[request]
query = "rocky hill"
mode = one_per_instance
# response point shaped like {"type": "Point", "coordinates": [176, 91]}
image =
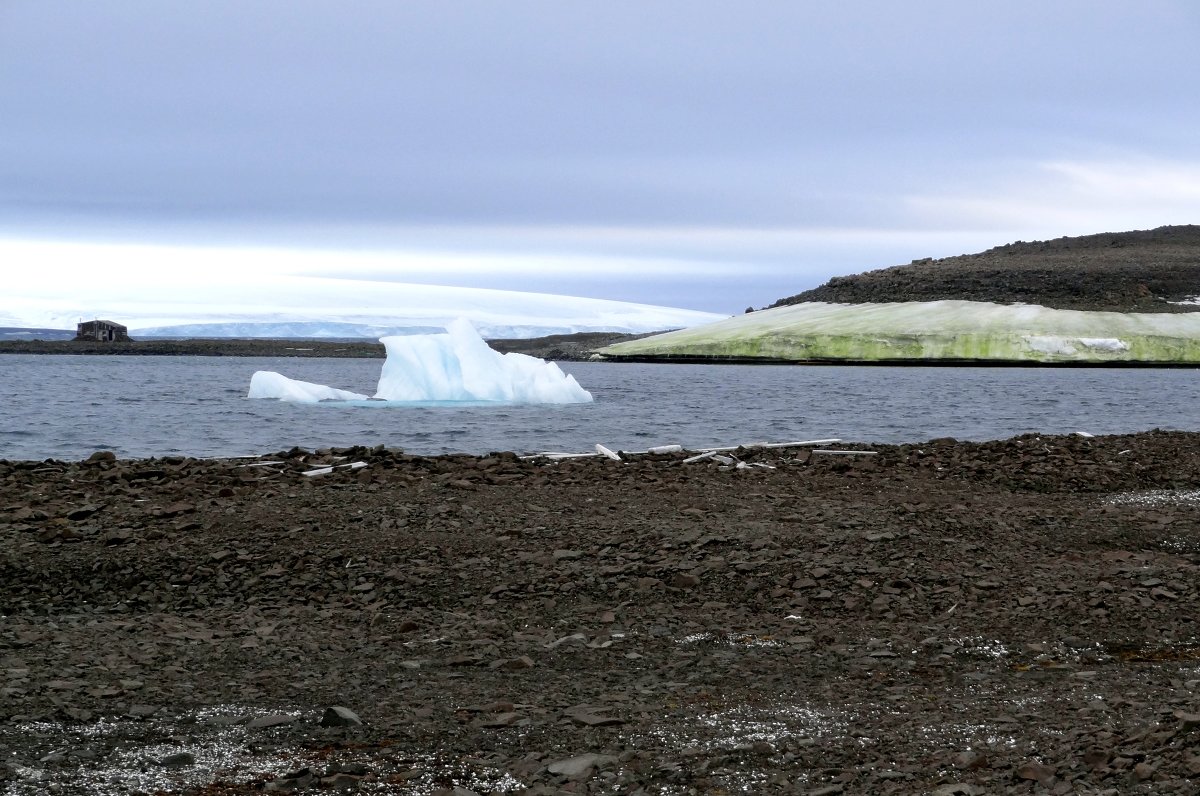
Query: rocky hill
{"type": "Point", "coordinates": [1141, 271]}
{"type": "Point", "coordinates": [1125, 298]}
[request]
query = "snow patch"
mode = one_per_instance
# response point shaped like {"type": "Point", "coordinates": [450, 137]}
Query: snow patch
{"type": "Point", "coordinates": [1069, 346]}
{"type": "Point", "coordinates": [1104, 344]}
{"type": "Point", "coordinates": [1042, 344]}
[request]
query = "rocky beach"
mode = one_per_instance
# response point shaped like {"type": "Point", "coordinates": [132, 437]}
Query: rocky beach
{"type": "Point", "coordinates": [944, 618]}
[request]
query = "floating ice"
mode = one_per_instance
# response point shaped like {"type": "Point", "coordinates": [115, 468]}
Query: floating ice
{"type": "Point", "coordinates": [459, 366]}
{"type": "Point", "coordinates": [268, 384]}
{"type": "Point", "coordinates": [454, 366]}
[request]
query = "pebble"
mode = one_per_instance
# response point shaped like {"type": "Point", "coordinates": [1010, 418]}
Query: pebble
{"type": "Point", "coordinates": [178, 760]}
{"type": "Point", "coordinates": [575, 767]}
{"type": "Point", "coordinates": [270, 720]}
{"type": "Point", "coordinates": [1036, 771]}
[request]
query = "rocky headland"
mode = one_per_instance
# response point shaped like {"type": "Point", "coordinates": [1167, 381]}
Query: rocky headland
{"type": "Point", "coordinates": [1112, 299]}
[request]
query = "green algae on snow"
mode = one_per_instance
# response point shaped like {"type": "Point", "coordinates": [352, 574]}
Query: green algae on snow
{"type": "Point", "coordinates": [930, 331]}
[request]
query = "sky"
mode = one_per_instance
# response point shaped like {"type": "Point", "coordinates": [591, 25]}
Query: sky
{"type": "Point", "coordinates": [706, 155]}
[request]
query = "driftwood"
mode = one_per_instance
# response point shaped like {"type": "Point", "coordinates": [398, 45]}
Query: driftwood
{"type": "Point", "coordinates": [329, 469]}
{"type": "Point", "coordinates": [704, 454]}
{"type": "Point", "coordinates": [603, 451]}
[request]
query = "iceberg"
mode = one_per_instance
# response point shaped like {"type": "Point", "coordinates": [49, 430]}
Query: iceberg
{"type": "Point", "coordinates": [460, 366]}
{"type": "Point", "coordinates": [454, 366]}
{"type": "Point", "coordinates": [268, 384]}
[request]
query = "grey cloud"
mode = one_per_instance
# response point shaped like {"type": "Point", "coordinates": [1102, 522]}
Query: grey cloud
{"type": "Point", "coordinates": [609, 111]}
{"type": "Point", "coordinates": [283, 119]}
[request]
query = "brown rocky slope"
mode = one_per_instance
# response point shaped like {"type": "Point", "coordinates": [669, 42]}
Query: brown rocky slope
{"type": "Point", "coordinates": [1140, 271]}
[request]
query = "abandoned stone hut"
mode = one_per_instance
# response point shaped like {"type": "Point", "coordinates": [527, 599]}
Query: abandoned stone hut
{"type": "Point", "coordinates": [103, 331]}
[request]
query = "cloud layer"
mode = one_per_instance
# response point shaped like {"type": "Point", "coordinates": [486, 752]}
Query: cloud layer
{"type": "Point", "coordinates": [639, 151]}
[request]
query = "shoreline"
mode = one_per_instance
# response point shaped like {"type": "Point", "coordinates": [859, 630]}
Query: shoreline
{"type": "Point", "coordinates": [666, 454]}
{"type": "Point", "coordinates": [700, 359]}
{"type": "Point", "coordinates": [559, 348]}
{"type": "Point", "coordinates": [944, 616]}
{"type": "Point", "coordinates": [562, 347]}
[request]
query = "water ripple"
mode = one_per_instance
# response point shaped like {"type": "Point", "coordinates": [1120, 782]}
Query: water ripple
{"type": "Point", "coordinates": [67, 407]}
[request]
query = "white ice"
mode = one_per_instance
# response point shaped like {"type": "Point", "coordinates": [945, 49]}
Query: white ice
{"type": "Point", "coordinates": [453, 366]}
{"type": "Point", "coordinates": [315, 307]}
{"type": "Point", "coordinates": [1049, 344]}
{"type": "Point", "coordinates": [268, 384]}
{"type": "Point", "coordinates": [1104, 343]}
{"type": "Point", "coordinates": [459, 366]}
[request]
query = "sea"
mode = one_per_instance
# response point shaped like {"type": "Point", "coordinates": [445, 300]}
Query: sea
{"type": "Point", "coordinates": [67, 407]}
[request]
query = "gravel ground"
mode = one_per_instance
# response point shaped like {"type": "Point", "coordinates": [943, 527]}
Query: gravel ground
{"type": "Point", "coordinates": [945, 618]}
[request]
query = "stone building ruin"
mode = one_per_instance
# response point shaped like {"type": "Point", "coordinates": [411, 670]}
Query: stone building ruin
{"type": "Point", "coordinates": [101, 331]}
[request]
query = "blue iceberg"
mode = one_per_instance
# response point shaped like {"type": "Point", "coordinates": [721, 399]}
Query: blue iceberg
{"type": "Point", "coordinates": [455, 366]}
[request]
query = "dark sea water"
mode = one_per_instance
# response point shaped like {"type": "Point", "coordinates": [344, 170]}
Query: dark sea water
{"type": "Point", "coordinates": [66, 407]}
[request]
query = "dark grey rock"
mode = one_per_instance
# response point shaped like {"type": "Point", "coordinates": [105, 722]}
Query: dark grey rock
{"type": "Point", "coordinates": [594, 720]}
{"type": "Point", "coordinates": [579, 766]}
{"type": "Point", "coordinates": [338, 716]}
{"type": "Point", "coordinates": [293, 780]}
{"type": "Point", "coordinates": [178, 760]}
{"type": "Point", "coordinates": [270, 720]}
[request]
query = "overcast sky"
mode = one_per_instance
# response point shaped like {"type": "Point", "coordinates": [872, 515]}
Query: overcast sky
{"type": "Point", "coordinates": [709, 155]}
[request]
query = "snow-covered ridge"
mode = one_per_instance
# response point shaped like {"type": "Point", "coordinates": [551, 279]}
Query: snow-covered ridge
{"type": "Point", "coordinates": [933, 330]}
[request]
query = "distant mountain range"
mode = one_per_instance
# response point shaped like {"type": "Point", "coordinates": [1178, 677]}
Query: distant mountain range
{"type": "Point", "coordinates": [317, 330]}
{"type": "Point", "coordinates": [343, 309]}
{"type": "Point", "coordinates": [21, 333]}
{"type": "Point", "coordinates": [294, 330]}
{"type": "Point", "coordinates": [332, 330]}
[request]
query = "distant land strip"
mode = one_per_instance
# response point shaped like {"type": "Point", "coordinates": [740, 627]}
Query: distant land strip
{"type": "Point", "coordinates": [562, 347]}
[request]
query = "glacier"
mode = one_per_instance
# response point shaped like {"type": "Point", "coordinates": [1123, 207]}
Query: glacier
{"type": "Point", "coordinates": [453, 366]}
{"type": "Point", "coordinates": [949, 330]}
{"type": "Point", "coordinates": [304, 307]}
